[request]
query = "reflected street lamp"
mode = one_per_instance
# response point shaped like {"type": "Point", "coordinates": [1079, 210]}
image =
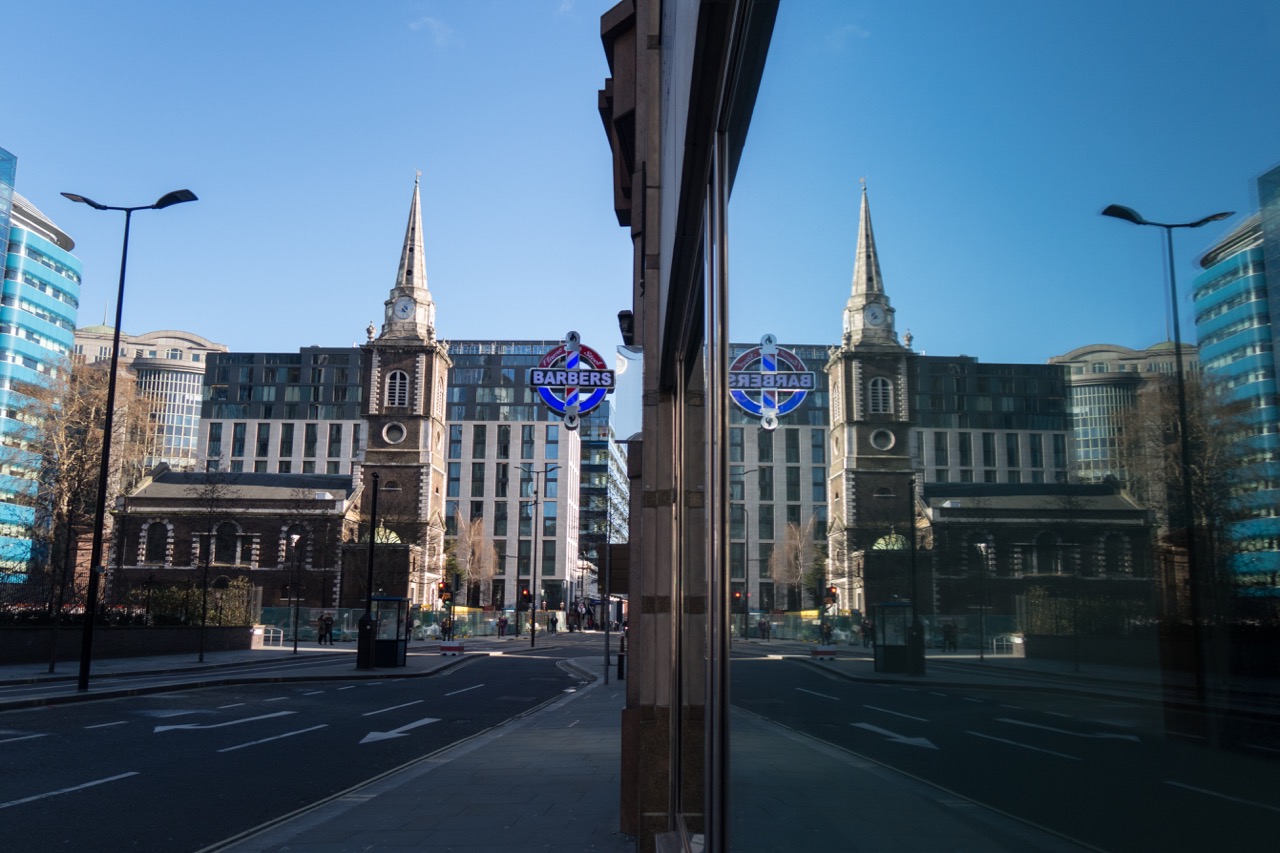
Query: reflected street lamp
{"type": "Point", "coordinates": [1128, 214]}
{"type": "Point", "coordinates": [535, 574]}
{"type": "Point", "coordinates": [95, 558]}
{"type": "Point", "coordinates": [364, 632]}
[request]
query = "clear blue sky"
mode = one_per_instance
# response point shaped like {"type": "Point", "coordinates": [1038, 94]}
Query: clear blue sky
{"type": "Point", "coordinates": [990, 134]}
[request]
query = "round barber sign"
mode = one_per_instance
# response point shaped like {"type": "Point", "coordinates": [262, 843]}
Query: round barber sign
{"type": "Point", "coordinates": [769, 381]}
{"type": "Point", "coordinates": [572, 379]}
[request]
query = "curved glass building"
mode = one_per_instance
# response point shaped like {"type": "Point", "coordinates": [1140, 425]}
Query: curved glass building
{"type": "Point", "coordinates": [37, 330]}
{"type": "Point", "coordinates": [1235, 332]}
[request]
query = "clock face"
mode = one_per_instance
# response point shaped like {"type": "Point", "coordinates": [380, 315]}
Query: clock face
{"type": "Point", "coordinates": [403, 308]}
{"type": "Point", "coordinates": [874, 315]}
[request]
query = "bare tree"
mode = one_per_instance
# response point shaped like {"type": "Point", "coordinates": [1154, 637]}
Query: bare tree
{"type": "Point", "coordinates": [57, 451]}
{"type": "Point", "coordinates": [794, 559]}
{"type": "Point", "coordinates": [475, 557]}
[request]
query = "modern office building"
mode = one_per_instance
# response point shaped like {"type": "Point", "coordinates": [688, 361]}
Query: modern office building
{"type": "Point", "coordinates": [283, 412]}
{"type": "Point", "coordinates": [37, 328]}
{"type": "Point", "coordinates": [168, 368]}
{"type": "Point", "coordinates": [1235, 299]}
{"type": "Point", "coordinates": [990, 423]}
{"type": "Point", "coordinates": [1103, 385]}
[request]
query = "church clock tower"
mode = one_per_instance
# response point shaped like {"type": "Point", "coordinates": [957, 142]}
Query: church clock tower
{"type": "Point", "coordinates": [870, 378]}
{"type": "Point", "coordinates": [404, 381]}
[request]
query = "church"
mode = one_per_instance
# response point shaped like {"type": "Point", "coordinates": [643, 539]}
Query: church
{"type": "Point", "coordinates": [304, 537]}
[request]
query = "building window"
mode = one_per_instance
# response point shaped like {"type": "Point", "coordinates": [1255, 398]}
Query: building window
{"type": "Point", "coordinates": [504, 441]}
{"type": "Point", "coordinates": [526, 441]}
{"type": "Point", "coordinates": [502, 476]}
{"type": "Point", "coordinates": [310, 435]}
{"type": "Point", "coordinates": [284, 466]}
{"type": "Point", "coordinates": [397, 388]}
{"type": "Point", "coordinates": [1011, 450]}
{"type": "Point", "coordinates": [214, 448]}
{"type": "Point", "coordinates": [764, 445]}
{"type": "Point", "coordinates": [157, 543]}
{"type": "Point", "coordinates": [479, 447]}
{"type": "Point", "coordinates": [454, 487]}
{"type": "Point", "coordinates": [879, 396]}
{"type": "Point", "coordinates": [552, 449]}
{"type": "Point", "coordinates": [263, 443]}
{"type": "Point", "coordinates": [335, 440]}
{"type": "Point", "coordinates": [286, 440]}
{"type": "Point", "coordinates": [477, 479]}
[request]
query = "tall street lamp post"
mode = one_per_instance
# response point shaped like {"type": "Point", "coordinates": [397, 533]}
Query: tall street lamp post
{"type": "Point", "coordinates": [104, 470]}
{"type": "Point", "coordinates": [1128, 214]}
{"type": "Point", "coordinates": [535, 575]}
{"type": "Point", "coordinates": [746, 549]}
{"type": "Point", "coordinates": [364, 633]}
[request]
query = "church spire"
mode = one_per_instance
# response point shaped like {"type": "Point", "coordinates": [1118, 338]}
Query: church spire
{"type": "Point", "coordinates": [868, 316]}
{"type": "Point", "coordinates": [410, 310]}
{"type": "Point", "coordinates": [866, 265]}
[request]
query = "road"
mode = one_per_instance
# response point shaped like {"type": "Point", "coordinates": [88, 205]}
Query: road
{"type": "Point", "coordinates": [1096, 771]}
{"type": "Point", "coordinates": [182, 770]}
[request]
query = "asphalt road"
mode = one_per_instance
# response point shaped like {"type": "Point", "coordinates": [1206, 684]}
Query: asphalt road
{"type": "Point", "coordinates": [182, 770]}
{"type": "Point", "coordinates": [1096, 771]}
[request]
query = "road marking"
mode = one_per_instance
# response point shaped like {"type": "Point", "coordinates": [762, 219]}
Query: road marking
{"type": "Point", "coordinates": [1014, 707]}
{"type": "Point", "coordinates": [1221, 796]}
{"type": "Point", "coordinates": [971, 699]}
{"type": "Point", "coordinates": [108, 725]}
{"type": "Point", "coordinates": [277, 699]}
{"type": "Point", "coordinates": [894, 736]}
{"type": "Point", "coordinates": [895, 713]}
{"type": "Point", "coordinates": [400, 732]}
{"type": "Point", "coordinates": [348, 687]}
{"type": "Point", "coordinates": [227, 723]}
{"type": "Point", "coordinates": [392, 708]}
{"type": "Point", "coordinates": [313, 693]}
{"type": "Point", "coordinates": [24, 737]}
{"type": "Point", "coordinates": [464, 690]}
{"type": "Point", "coordinates": [274, 737]}
{"type": "Point", "coordinates": [936, 693]}
{"type": "Point", "coordinates": [816, 693]}
{"type": "Point", "coordinates": [1025, 746]}
{"type": "Point", "coordinates": [1099, 735]}
{"type": "Point", "coordinates": [70, 790]}
{"type": "Point", "coordinates": [223, 707]}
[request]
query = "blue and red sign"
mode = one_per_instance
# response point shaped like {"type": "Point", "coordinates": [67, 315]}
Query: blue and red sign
{"type": "Point", "coordinates": [572, 379]}
{"type": "Point", "coordinates": [769, 381]}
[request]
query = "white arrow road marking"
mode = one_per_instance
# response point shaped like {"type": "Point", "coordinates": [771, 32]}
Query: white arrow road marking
{"type": "Point", "coordinates": [35, 797]}
{"type": "Point", "coordinates": [1109, 735]}
{"type": "Point", "coordinates": [895, 713]}
{"type": "Point", "coordinates": [222, 725]}
{"type": "Point", "coordinates": [816, 693]}
{"type": "Point", "coordinates": [894, 736]}
{"type": "Point", "coordinates": [274, 737]}
{"type": "Point", "coordinates": [392, 708]}
{"type": "Point", "coordinates": [1221, 796]}
{"type": "Point", "coordinates": [400, 732]}
{"type": "Point", "coordinates": [1025, 746]}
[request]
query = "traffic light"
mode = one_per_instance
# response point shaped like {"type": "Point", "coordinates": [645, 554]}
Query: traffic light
{"type": "Point", "coordinates": [526, 598]}
{"type": "Point", "coordinates": [445, 594]}
{"type": "Point", "coordinates": [737, 599]}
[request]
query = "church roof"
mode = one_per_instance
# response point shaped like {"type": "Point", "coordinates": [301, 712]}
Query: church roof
{"type": "Point", "coordinates": [187, 485]}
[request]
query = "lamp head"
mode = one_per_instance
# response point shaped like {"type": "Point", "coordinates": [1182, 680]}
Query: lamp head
{"type": "Point", "coordinates": [1119, 211]}
{"type": "Point", "coordinates": [1214, 218]}
{"type": "Point", "coordinates": [175, 197]}
{"type": "Point", "coordinates": [84, 200]}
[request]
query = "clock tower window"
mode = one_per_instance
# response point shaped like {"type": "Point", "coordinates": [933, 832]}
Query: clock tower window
{"type": "Point", "coordinates": [397, 388]}
{"type": "Point", "coordinates": [880, 396]}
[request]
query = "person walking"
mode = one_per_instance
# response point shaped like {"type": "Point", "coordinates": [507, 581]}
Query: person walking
{"type": "Point", "coordinates": [552, 622]}
{"type": "Point", "coordinates": [326, 629]}
{"type": "Point", "coordinates": [502, 626]}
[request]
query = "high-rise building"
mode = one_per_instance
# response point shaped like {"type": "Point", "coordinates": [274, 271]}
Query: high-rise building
{"type": "Point", "coordinates": [37, 328]}
{"type": "Point", "coordinates": [1235, 298]}
{"type": "Point", "coordinates": [168, 369]}
{"type": "Point", "coordinates": [1103, 385]}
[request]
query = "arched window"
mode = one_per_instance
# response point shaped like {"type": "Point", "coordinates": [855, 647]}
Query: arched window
{"type": "Point", "coordinates": [1113, 555]}
{"type": "Point", "coordinates": [397, 388]}
{"type": "Point", "coordinates": [1047, 555]}
{"type": "Point", "coordinates": [879, 396]}
{"type": "Point", "coordinates": [224, 543]}
{"type": "Point", "coordinates": [157, 542]}
{"type": "Point", "coordinates": [295, 548]}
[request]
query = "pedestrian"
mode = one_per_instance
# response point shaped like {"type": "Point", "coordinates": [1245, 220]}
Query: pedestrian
{"type": "Point", "coordinates": [552, 622]}
{"type": "Point", "coordinates": [326, 631]}
{"type": "Point", "coordinates": [868, 633]}
{"type": "Point", "coordinates": [949, 637]}
{"type": "Point", "coordinates": [763, 628]}
{"type": "Point", "coordinates": [320, 629]}
{"type": "Point", "coordinates": [825, 632]}
{"type": "Point", "coordinates": [446, 629]}
{"type": "Point", "coordinates": [502, 626]}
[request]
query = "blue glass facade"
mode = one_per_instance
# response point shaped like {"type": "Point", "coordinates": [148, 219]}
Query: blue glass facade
{"type": "Point", "coordinates": [1234, 301]}
{"type": "Point", "coordinates": [37, 334]}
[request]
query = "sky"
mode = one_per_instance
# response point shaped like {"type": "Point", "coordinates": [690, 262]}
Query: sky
{"type": "Point", "coordinates": [990, 133]}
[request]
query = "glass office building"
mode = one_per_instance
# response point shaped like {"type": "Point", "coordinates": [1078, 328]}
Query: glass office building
{"type": "Point", "coordinates": [1234, 298]}
{"type": "Point", "coordinates": [37, 328]}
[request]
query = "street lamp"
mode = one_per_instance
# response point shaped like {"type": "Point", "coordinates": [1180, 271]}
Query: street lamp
{"type": "Point", "coordinates": [985, 549]}
{"type": "Point", "coordinates": [746, 548]}
{"type": "Point", "coordinates": [535, 575]}
{"type": "Point", "coordinates": [99, 520]}
{"type": "Point", "coordinates": [1128, 214]}
{"type": "Point", "coordinates": [364, 632]}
